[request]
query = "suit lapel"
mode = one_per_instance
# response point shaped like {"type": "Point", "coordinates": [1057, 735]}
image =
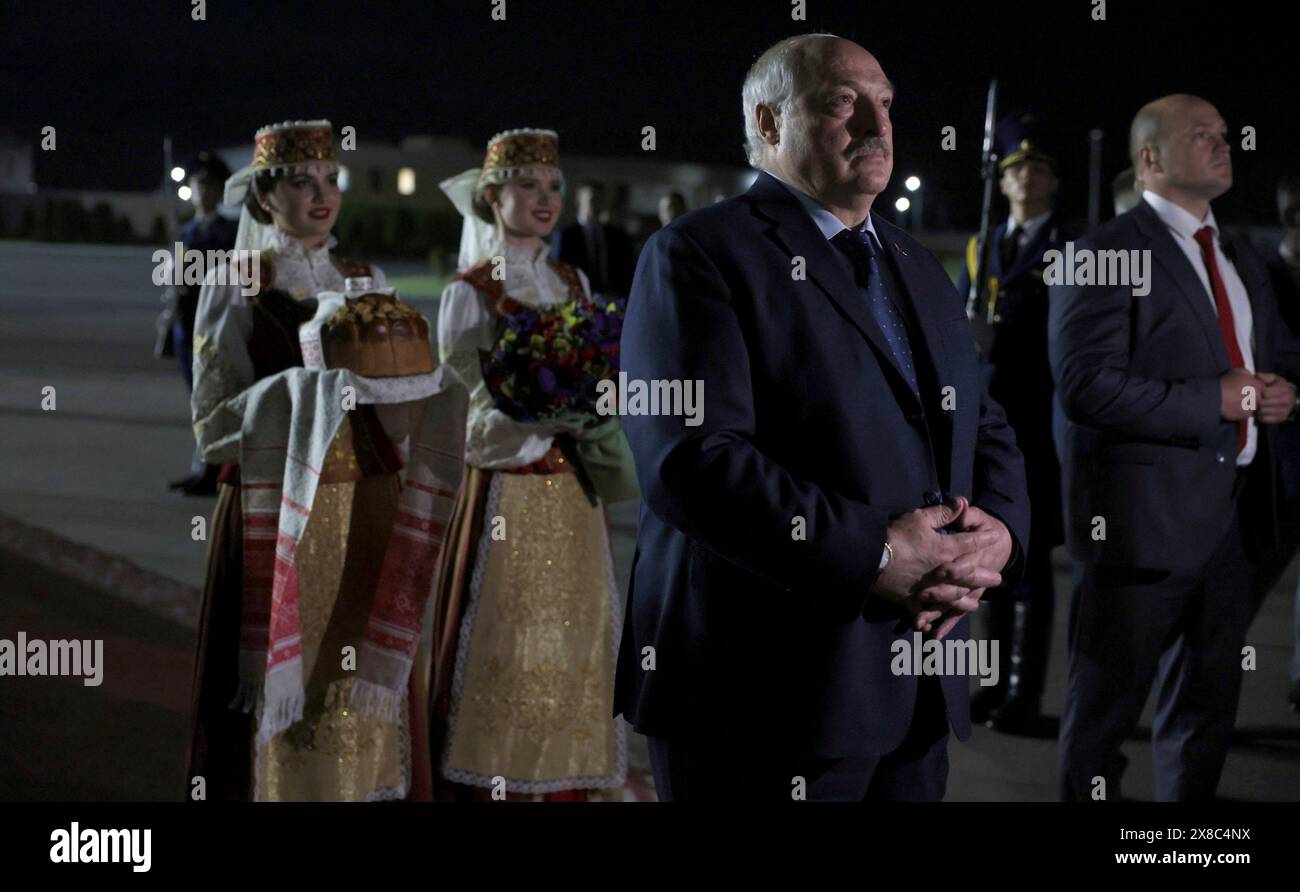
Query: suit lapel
{"type": "Point", "coordinates": [1255, 278]}
{"type": "Point", "coordinates": [799, 236]}
{"type": "Point", "coordinates": [1167, 253]}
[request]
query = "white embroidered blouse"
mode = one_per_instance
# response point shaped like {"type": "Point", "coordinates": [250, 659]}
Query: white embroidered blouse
{"type": "Point", "coordinates": [467, 325]}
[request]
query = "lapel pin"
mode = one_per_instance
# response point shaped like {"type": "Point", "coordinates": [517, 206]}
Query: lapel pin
{"type": "Point", "coordinates": [899, 249]}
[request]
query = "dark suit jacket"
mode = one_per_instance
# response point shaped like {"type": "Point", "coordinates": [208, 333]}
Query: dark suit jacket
{"type": "Point", "coordinates": [805, 416]}
{"type": "Point", "coordinates": [570, 246]}
{"type": "Point", "coordinates": [1138, 377]}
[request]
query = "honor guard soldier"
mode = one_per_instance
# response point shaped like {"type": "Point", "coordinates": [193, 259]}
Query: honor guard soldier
{"type": "Point", "coordinates": [1020, 380]}
{"type": "Point", "coordinates": [208, 230]}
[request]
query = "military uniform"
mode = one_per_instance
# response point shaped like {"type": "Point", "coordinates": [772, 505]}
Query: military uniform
{"type": "Point", "coordinates": [210, 232]}
{"type": "Point", "coordinates": [1018, 375]}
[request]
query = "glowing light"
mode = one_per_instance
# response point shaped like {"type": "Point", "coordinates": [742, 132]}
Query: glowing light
{"type": "Point", "coordinates": [902, 204]}
{"type": "Point", "coordinates": [912, 183]}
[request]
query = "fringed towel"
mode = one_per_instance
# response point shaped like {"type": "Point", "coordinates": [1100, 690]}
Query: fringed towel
{"type": "Point", "coordinates": [286, 423]}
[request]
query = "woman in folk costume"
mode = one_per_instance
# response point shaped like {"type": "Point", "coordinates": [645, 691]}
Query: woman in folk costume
{"type": "Point", "coordinates": [322, 556]}
{"type": "Point", "coordinates": [528, 612]}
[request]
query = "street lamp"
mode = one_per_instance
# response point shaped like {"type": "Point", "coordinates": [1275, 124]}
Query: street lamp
{"type": "Point", "coordinates": [183, 193]}
{"type": "Point", "coordinates": [913, 185]}
{"type": "Point", "coordinates": [178, 174]}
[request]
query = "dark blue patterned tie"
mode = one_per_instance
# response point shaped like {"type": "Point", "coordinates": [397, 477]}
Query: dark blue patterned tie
{"type": "Point", "coordinates": [860, 247]}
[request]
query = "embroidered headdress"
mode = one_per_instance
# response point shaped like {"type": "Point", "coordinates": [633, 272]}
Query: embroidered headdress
{"type": "Point", "coordinates": [290, 145]}
{"type": "Point", "coordinates": [509, 153]}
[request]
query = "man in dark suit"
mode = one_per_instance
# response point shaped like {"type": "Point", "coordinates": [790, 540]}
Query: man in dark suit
{"type": "Point", "coordinates": [790, 543]}
{"type": "Point", "coordinates": [1172, 392]}
{"type": "Point", "coordinates": [602, 251]}
{"type": "Point", "coordinates": [1021, 381]}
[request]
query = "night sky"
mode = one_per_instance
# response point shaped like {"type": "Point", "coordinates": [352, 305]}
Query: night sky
{"type": "Point", "coordinates": [113, 77]}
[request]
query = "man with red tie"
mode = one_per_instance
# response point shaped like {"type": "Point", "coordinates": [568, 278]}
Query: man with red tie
{"type": "Point", "coordinates": [1172, 396]}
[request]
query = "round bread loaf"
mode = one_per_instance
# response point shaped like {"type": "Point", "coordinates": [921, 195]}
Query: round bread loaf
{"type": "Point", "coordinates": [378, 336]}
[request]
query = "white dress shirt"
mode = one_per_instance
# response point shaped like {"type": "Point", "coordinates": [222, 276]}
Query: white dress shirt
{"type": "Point", "coordinates": [829, 224]}
{"type": "Point", "coordinates": [1025, 232]}
{"type": "Point", "coordinates": [1182, 226]}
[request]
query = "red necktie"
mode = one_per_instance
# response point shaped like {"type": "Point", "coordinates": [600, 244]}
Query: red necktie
{"type": "Point", "coordinates": [1205, 238]}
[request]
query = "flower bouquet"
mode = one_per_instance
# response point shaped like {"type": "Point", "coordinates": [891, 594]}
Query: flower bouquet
{"type": "Point", "coordinates": [547, 361]}
{"type": "Point", "coordinates": [545, 366]}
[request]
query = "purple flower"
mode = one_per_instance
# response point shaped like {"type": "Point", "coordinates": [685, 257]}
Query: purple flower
{"type": "Point", "coordinates": [521, 322]}
{"type": "Point", "coordinates": [546, 380]}
{"type": "Point", "coordinates": [606, 327]}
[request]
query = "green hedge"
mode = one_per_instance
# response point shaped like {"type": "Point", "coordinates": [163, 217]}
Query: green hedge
{"type": "Point", "coordinates": [66, 220]}
{"type": "Point", "coordinates": [372, 230]}
{"type": "Point", "coordinates": [363, 229]}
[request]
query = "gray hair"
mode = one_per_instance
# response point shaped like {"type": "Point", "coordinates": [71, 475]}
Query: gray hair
{"type": "Point", "coordinates": [771, 82]}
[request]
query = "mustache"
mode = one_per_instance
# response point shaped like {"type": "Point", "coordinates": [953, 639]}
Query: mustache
{"type": "Point", "coordinates": [874, 143]}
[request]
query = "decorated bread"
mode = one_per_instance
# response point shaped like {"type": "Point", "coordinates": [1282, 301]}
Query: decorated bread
{"type": "Point", "coordinates": [378, 336]}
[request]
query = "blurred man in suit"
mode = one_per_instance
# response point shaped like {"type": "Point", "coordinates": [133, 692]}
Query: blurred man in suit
{"type": "Point", "coordinates": [599, 249]}
{"type": "Point", "coordinates": [1125, 191]}
{"type": "Point", "coordinates": [671, 206]}
{"type": "Point", "coordinates": [1173, 391]}
{"type": "Point", "coordinates": [790, 543]}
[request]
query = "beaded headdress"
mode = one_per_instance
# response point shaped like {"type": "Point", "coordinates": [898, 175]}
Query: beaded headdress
{"type": "Point", "coordinates": [508, 153]}
{"type": "Point", "coordinates": [513, 150]}
{"type": "Point", "coordinates": [289, 145]}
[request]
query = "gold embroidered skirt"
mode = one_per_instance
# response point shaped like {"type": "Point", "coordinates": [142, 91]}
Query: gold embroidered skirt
{"type": "Point", "coordinates": [333, 754]}
{"type": "Point", "coordinates": [527, 703]}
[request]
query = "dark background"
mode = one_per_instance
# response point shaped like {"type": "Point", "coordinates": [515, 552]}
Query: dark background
{"type": "Point", "coordinates": [113, 77]}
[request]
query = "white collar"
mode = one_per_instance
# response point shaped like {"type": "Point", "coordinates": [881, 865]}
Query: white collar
{"type": "Point", "coordinates": [829, 224]}
{"type": "Point", "coordinates": [286, 245]}
{"type": "Point", "coordinates": [1030, 226]}
{"type": "Point", "coordinates": [1180, 220]}
{"type": "Point", "coordinates": [515, 252]}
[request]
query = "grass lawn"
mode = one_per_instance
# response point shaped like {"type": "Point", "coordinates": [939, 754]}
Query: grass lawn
{"type": "Point", "coordinates": [429, 286]}
{"type": "Point", "coordinates": [424, 287]}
